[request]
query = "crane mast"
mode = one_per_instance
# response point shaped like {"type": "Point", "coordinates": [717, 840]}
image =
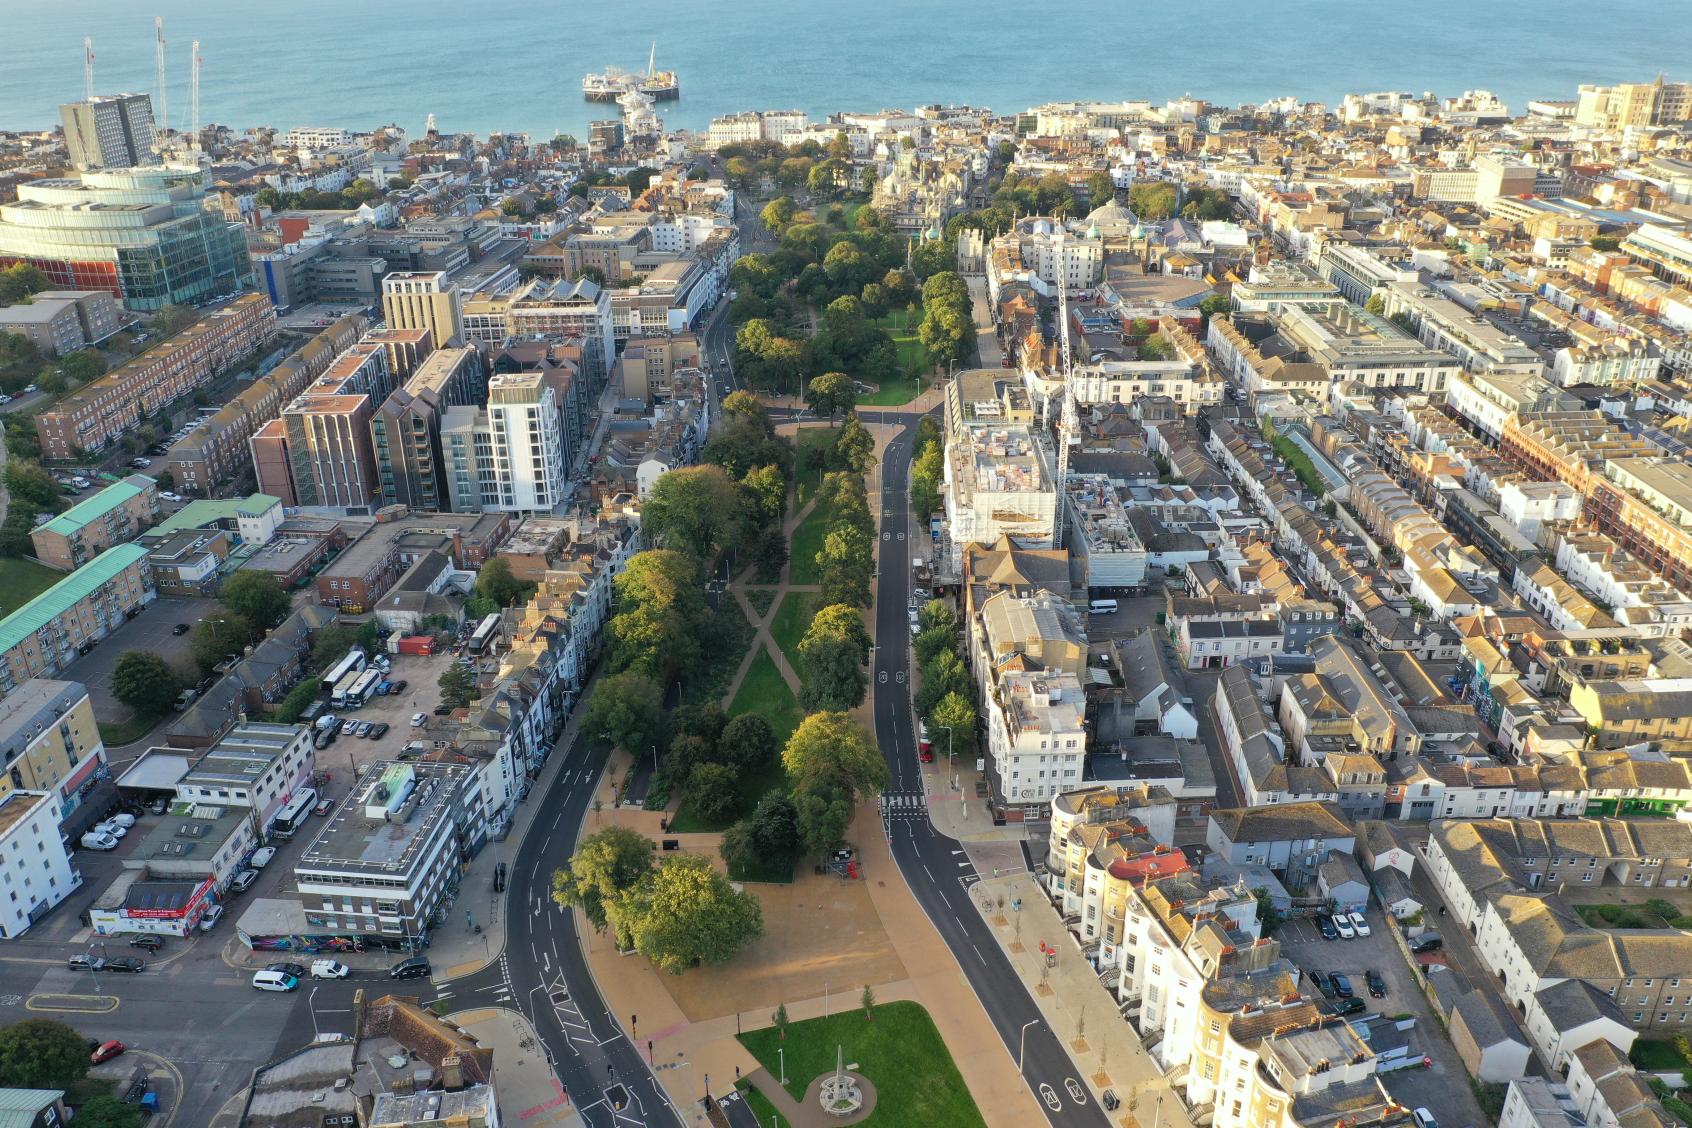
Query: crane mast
{"type": "Point", "coordinates": [164, 95]}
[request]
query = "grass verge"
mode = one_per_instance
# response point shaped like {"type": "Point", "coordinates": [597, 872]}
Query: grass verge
{"type": "Point", "coordinates": [1656, 1055]}
{"type": "Point", "coordinates": [900, 1052]}
{"type": "Point", "coordinates": [731, 634]}
{"type": "Point", "coordinates": [807, 542]}
{"type": "Point", "coordinates": [757, 1102]}
{"type": "Point", "coordinates": [115, 734]}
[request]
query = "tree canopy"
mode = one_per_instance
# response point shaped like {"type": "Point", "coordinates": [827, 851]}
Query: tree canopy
{"type": "Point", "coordinates": [145, 682]}
{"type": "Point", "coordinates": [606, 864]}
{"type": "Point", "coordinates": [831, 659]}
{"type": "Point", "coordinates": [256, 597]}
{"type": "Point", "coordinates": [695, 508]}
{"type": "Point", "coordinates": [38, 1053]}
{"type": "Point", "coordinates": [686, 913]}
{"type": "Point", "coordinates": [627, 708]}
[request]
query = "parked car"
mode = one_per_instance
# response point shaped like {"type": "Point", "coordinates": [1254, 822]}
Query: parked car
{"type": "Point", "coordinates": [244, 880]}
{"type": "Point", "coordinates": [209, 919]}
{"type": "Point", "coordinates": [379, 730]}
{"type": "Point", "coordinates": [1377, 985]}
{"type": "Point", "coordinates": [323, 739]}
{"type": "Point", "coordinates": [85, 963]}
{"type": "Point", "coordinates": [274, 981]}
{"type": "Point", "coordinates": [399, 686]}
{"type": "Point", "coordinates": [98, 840]}
{"type": "Point", "coordinates": [1424, 1119]}
{"type": "Point", "coordinates": [1322, 983]}
{"type": "Point", "coordinates": [28, 388]}
{"type": "Point", "coordinates": [1342, 985]}
{"type": "Point", "coordinates": [126, 963]}
{"type": "Point", "coordinates": [147, 943]}
{"type": "Point", "coordinates": [324, 806]}
{"type": "Point", "coordinates": [169, 495]}
{"type": "Point", "coordinates": [1427, 942]}
{"type": "Point", "coordinates": [348, 727]}
{"type": "Point", "coordinates": [1342, 925]}
{"type": "Point", "coordinates": [418, 720]}
{"type": "Point", "coordinates": [180, 629]}
{"type": "Point", "coordinates": [442, 710]}
{"type": "Point", "coordinates": [106, 1051]}
{"type": "Point", "coordinates": [261, 857]}
{"type": "Point", "coordinates": [363, 728]}
{"type": "Point", "coordinates": [329, 969]}
{"type": "Point", "coordinates": [1350, 1006]}
{"type": "Point", "coordinates": [415, 967]}
{"type": "Point", "coordinates": [1326, 926]}
{"type": "Point", "coordinates": [298, 971]}
{"type": "Point", "coordinates": [1358, 923]}
{"type": "Point", "coordinates": [140, 463]}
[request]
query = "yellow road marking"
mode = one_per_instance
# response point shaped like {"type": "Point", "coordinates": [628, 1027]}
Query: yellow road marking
{"type": "Point", "coordinates": [83, 1004]}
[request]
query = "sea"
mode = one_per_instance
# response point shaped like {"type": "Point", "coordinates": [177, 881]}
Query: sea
{"type": "Point", "coordinates": [517, 66]}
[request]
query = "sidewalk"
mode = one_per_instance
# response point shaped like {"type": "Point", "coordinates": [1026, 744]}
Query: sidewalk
{"type": "Point", "coordinates": [524, 1080]}
{"type": "Point", "coordinates": [1085, 1016]}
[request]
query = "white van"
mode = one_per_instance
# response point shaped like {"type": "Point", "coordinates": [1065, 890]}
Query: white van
{"type": "Point", "coordinates": [1102, 606]}
{"type": "Point", "coordinates": [274, 981]}
{"type": "Point", "coordinates": [329, 969]}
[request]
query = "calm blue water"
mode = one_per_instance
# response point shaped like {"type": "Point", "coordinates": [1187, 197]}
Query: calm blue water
{"type": "Point", "coordinates": [499, 64]}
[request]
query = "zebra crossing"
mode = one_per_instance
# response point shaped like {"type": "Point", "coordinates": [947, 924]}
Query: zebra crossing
{"type": "Point", "coordinates": [905, 804]}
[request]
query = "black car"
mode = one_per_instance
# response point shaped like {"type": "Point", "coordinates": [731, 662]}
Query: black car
{"type": "Point", "coordinates": [324, 739]}
{"type": "Point", "coordinates": [151, 943]}
{"type": "Point", "coordinates": [1427, 942]}
{"type": "Point", "coordinates": [399, 686]}
{"type": "Point", "coordinates": [1377, 985]}
{"type": "Point", "coordinates": [1326, 925]}
{"type": "Point", "coordinates": [1322, 983]}
{"type": "Point", "coordinates": [1350, 1006]}
{"type": "Point", "coordinates": [127, 963]}
{"type": "Point", "coordinates": [378, 730]}
{"type": "Point", "coordinates": [298, 971]}
{"type": "Point", "coordinates": [442, 710]}
{"type": "Point", "coordinates": [414, 968]}
{"type": "Point", "coordinates": [180, 629]}
{"type": "Point", "coordinates": [1342, 985]}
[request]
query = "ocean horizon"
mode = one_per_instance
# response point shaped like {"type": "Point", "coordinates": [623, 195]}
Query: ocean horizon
{"type": "Point", "coordinates": [518, 67]}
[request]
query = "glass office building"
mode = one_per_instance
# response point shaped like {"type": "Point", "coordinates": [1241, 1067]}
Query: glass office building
{"type": "Point", "coordinates": [141, 233]}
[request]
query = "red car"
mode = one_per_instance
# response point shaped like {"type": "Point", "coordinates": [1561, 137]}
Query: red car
{"type": "Point", "coordinates": [106, 1051]}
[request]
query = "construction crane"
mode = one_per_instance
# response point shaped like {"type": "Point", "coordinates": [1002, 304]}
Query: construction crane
{"type": "Point", "coordinates": [1069, 425]}
{"type": "Point", "coordinates": [164, 97]}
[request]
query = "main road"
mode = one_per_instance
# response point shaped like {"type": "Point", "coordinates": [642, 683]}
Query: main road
{"type": "Point", "coordinates": [935, 865]}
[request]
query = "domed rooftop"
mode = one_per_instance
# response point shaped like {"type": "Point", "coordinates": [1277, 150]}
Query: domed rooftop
{"type": "Point", "coordinates": [1111, 218]}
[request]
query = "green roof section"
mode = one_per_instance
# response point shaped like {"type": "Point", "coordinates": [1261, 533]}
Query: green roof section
{"type": "Point", "coordinates": [199, 514]}
{"type": "Point", "coordinates": [67, 593]}
{"type": "Point", "coordinates": [85, 513]}
{"type": "Point", "coordinates": [19, 1106]}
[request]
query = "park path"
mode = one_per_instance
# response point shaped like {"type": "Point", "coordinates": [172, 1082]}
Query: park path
{"type": "Point", "coordinates": [762, 622]}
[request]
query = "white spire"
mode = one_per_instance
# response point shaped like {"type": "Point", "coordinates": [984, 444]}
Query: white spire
{"type": "Point", "coordinates": [88, 67]}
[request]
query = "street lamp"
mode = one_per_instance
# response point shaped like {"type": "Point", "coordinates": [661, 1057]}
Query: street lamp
{"type": "Point", "coordinates": [1023, 1043]}
{"type": "Point", "coordinates": [781, 1062]}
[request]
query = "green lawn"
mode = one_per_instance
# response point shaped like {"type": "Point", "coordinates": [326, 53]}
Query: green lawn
{"type": "Point", "coordinates": [22, 580]}
{"type": "Point", "coordinates": [807, 542]}
{"type": "Point", "coordinates": [763, 873]}
{"type": "Point", "coordinates": [1656, 1055]}
{"type": "Point", "coordinates": [912, 357]}
{"type": "Point", "coordinates": [792, 620]}
{"type": "Point", "coordinates": [900, 1052]}
{"type": "Point", "coordinates": [760, 599]}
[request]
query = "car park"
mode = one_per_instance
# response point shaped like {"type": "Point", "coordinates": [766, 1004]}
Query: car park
{"type": "Point", "coordinates": [209, 919]}
{"type": "Point", "coordinates": [106, 1051]}
{"type": "Point", "coordinates": [416, 967]}
{"type": "Point", "coordinates": [1342, 925]}
{"type": "Point", "coordinates": [244, 880]}
{"type": "Point", "coordinates": [1359, 924]}
{"type": "Point", "coordinates": [329, 969]}
{"type": "Point", "coordinates": [1329, 932]}
{"type": "Point", "coordinates": [147, 943]}
{"type": "Point", "coordinates": [1377, 985]}
{"type": "Point", "coordinates": [261, 857]}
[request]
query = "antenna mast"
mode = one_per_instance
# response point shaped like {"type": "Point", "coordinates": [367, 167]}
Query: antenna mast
{"type": "Point", "coordinates": [164, 96]}
{"type": "Point", "coordinates": [1068, 424]}
{"type": "Point", "coordinates": [194, 101]}
{"type": "Point", "coordinates": [88, 67]}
